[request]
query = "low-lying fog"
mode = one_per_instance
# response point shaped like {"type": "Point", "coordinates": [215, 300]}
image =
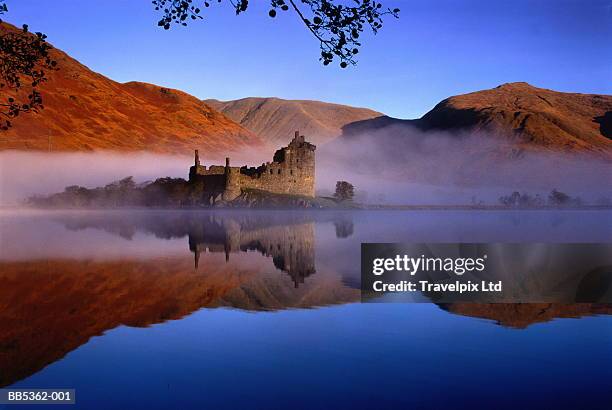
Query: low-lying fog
{"type": "Point", "coordinates": [24, 174]}
{"type": "Point", "coordinates": [384, 168]}
{"type": "Point", "coordinates": [401, 164]}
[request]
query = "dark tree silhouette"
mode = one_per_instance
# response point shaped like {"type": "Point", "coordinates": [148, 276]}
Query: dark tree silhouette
{"type": "Point", "coordinates": [345, 191]}
{"type": "Point", "coordinates": [336, 26]}
{"type": "Point", "coordinates": [24, 56]}
{"type": "Point", "coordinates": [558, 198]}
{"type": "Point", "coordinates": [524, 200]}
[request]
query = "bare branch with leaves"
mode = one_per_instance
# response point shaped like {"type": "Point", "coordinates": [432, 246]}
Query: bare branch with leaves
{"type": "Point", "coordinates": [335, 24]}
{"type": "Point", "coordinates": [24, 57]}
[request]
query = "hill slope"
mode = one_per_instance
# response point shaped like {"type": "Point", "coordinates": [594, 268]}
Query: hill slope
{"type": "Point", "coordinates": [545, 118]}
{"type": "Point", "coordinates": [86, 111]}
{"type": "Point", "coordinates": [527, 117]}
{"type": "Point", "coordinates": [275, 119]}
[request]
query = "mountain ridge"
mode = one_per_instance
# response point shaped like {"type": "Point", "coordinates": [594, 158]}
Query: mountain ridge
{"type": "Point", "coordinates": [517, 114]}
{"type": "Point", "coordinates": [86, 111]}
{"type": "Point", "coordinates": [275, 119]}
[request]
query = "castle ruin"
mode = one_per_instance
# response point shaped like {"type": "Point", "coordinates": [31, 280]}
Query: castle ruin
{"type": "Point", "coordinates": [292, 171]}
{"type": "Point", "coordinates": [290, 242]}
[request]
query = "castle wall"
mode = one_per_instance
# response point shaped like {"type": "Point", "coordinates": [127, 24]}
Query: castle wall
{"type": "Point", "coordinates": [211, 181]}
{"type": "Point", "coordinates": [233, 184]}
{"type": "Point", "coordinates": [291, 172]}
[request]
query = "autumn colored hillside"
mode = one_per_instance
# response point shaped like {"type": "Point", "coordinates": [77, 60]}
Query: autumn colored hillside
{"type": "Point", "coordinates": [522, 315]}
{"type": "Point", "coordinates": [519, 116]}
{"type": "Point", "coordinates": [534, 116]}
{"type": "Point", "coordinates": [275, 119]}
{"type": "Point", "coordinates": [50, 307]}
{"type": "Point", "coordinates": [86, 111]}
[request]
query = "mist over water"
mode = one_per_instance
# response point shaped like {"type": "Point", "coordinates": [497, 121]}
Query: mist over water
{"type": "Point", "coordinates": [393, 165]}
{"type": "Point", "coordinates": [24, 174]}
{"type": "Point", "coordinates": [401, 164]}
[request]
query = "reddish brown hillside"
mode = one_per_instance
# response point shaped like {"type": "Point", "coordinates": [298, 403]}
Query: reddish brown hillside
{"type": "Point", "coordinates": [275, 119]}
{"type": "Point", "coordinates": [522, 315]}
{"type": "Point", "coordinates": [86, 111]}
{"type": "Point", "coordinates": [50, 307]}
{"type": "Point", "coordinates": [535, 116]}
{"type": "Point", "coordinates": [521, 117]}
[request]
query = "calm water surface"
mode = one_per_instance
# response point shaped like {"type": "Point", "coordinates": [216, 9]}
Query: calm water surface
{"type": "Point", "coordinates": [159, 309]}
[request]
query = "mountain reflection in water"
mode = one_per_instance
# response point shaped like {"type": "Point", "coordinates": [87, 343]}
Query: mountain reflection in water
{"type": "Point", "coordinates": [68, 276]}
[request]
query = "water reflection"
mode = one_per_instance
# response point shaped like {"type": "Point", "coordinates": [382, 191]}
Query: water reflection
{"type": "Point", "coordinates": [522, 315]}
{"type": "Point", "coordinates": [51, 304]}
{"type": "Point", "coordinates": [344, 227]}
{"type": "Point", "coordinates": [290, 245]}
{"type": "Point", "coordinates": [66, 277]}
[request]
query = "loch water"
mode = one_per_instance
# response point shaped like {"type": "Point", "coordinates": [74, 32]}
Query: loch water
{"type": "Point", "coordinates": [262, 310]}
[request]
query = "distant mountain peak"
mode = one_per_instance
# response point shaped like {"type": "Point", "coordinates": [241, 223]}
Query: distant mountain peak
{"type": "Point", "coordinates": [519, 85]}
{"type": "Point", "coordinates": [275, 119]}
{"type": "Point", "coordinates": [519, 114]}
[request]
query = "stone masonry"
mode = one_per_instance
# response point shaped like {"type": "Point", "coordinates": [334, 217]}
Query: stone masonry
{"type": "Point", "coordinates": [292, 171]}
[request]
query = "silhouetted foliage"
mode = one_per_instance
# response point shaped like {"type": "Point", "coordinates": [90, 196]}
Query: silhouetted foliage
{"type": "Point", "coordinates": [344, 191]}
{"type": "Point", "coordinates": [558, 198]}
{"type": "Point", "coordinates": [163, 192]}
{"type": "Point", "coordinates": [524, 200]}
{"type": "Point", "coordinates": [336, 26]}
{"type": "Point", "coordinates": [167, 193]}
{"type": "Point", "coordinates": [124, 184]}
{"type": "Point", "coordinates": [24, 56]}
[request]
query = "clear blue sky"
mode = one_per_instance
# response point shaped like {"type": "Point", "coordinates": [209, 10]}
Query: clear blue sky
{"type": "Point", "coordinates": [436, 49]}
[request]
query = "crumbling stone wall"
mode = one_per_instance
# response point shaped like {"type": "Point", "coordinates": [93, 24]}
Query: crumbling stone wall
{"type": "Point", "coordinates": [292, 171]}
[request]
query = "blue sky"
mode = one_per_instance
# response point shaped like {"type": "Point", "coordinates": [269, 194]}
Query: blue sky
{"type": "Point", "coordinates": [436, 49]}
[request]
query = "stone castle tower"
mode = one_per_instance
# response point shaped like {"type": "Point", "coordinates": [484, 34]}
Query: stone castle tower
{"type": "Point", "coordinates": [292, 171]}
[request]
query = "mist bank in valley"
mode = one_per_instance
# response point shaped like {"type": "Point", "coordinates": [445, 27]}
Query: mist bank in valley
{"type": "Point", "coordinates": [24, 174]}
{"type": "Point", "coordinates": [393, 165]}
{"type": "Point", "coordinates": [399, 163]}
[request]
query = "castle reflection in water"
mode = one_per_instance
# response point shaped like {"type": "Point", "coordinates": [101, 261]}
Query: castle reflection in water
{"type": "Point", "coordinates": [64, 279]}
{"type": "Point", "coordinates": [288, 238]}
{"type": "Point", "coordinates": [147, 277]}
{"type": "Point", "coordinates": [291, 246]}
